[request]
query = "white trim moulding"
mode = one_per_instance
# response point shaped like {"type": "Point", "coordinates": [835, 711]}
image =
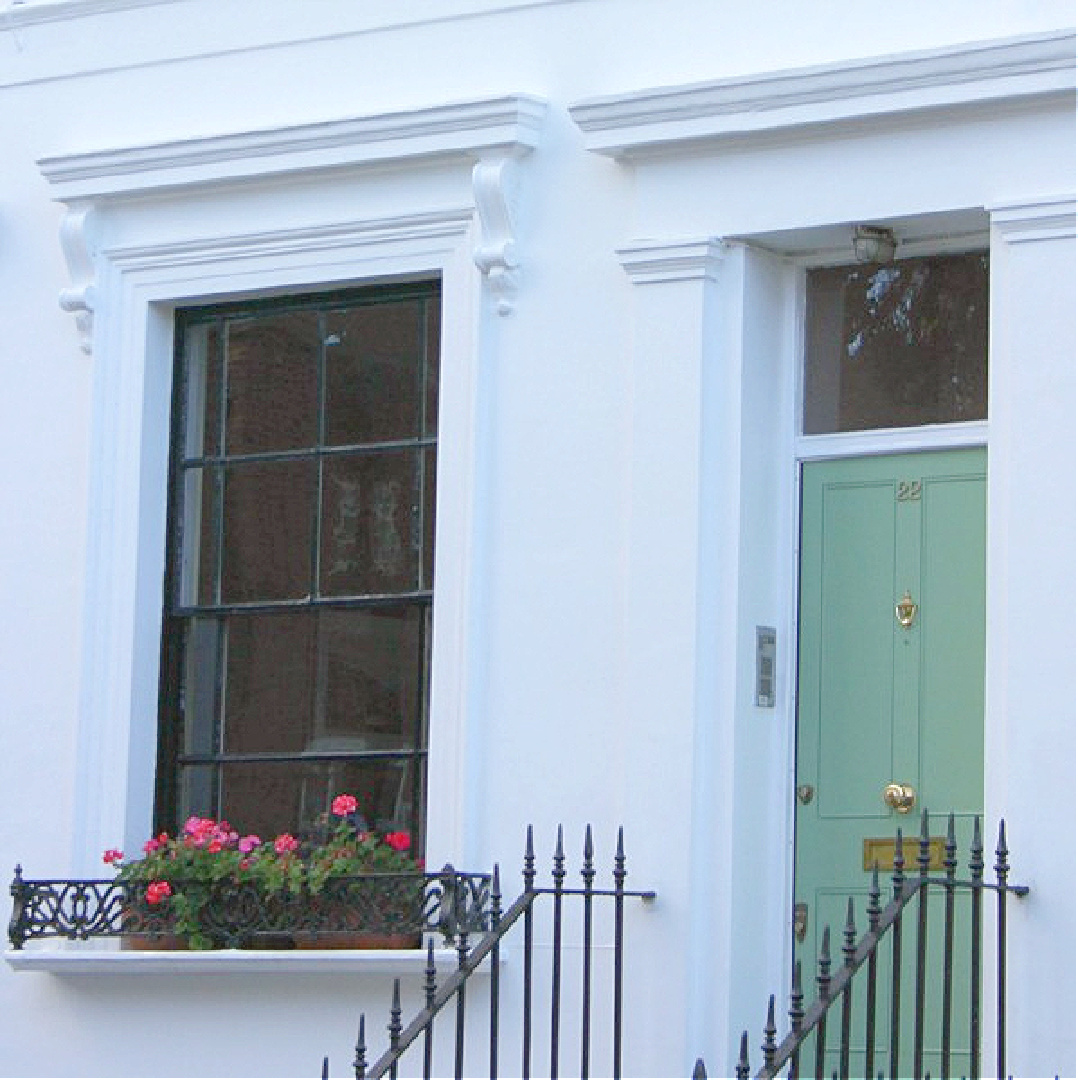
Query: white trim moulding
{"type": "Point", "coordinates": [73, 961]}
{"type": "Point", "coordinates": [20, 13]}
{"type": "Point", "coordinates": [28, 12]}
{"type": "Point", "coordinates": [507, 126]}
{"type": "Point", "coordinates": [654, 262]}
{"type": "Point", "coordinates": [841, 444]}
{"type": "Point", "coordinates": [978, 73]}
{"type": "Point", "coordinates": [1051, 218]}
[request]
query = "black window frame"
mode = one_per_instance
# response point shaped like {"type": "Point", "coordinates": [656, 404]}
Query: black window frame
{"type": "Point", "coordinates": [171, 757]}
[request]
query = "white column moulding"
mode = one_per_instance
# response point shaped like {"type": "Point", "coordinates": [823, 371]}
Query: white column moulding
{"type": "Point", "coordinates": [312, 206]}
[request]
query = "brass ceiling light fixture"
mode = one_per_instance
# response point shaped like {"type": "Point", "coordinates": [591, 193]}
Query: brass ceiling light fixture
{"type": "Point", "coordinates": [873, 244]}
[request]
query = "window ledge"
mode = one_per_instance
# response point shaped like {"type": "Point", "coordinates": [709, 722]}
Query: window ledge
{"type": "Point", "coordinates": [99, 961]}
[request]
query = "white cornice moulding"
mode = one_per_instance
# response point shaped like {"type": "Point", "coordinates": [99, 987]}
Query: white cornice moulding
{"type": "Point", "coordinates": [1049, 218]}
{"type": "Point", "coordinates": [994, 72]}
{"type": "Point", "coordinates": [652, 262]}
{"type": "Point", "coordinates": [372, 17]}
{"type": "Point", "coordinates": [474, 130]}
{"type": "Point", "coordinates": [486, 135]}
{"type": "Point", "coordinates": [20, 13]}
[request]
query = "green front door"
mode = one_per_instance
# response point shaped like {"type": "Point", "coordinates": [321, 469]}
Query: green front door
{"type": "Point", "coordinates": [881, 702]}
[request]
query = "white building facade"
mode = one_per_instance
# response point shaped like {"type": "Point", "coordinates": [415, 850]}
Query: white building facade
{"type": "Point", "coordinates": [622, 203]}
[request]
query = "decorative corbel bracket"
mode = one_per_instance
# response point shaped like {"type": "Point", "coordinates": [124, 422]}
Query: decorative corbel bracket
{"type": "Point", "coordinates": [493, 183]}
{"type": "Point", "coordinates": [78, 240]}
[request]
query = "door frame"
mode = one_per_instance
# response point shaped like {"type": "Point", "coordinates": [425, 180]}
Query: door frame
{"type": "Point", "coordinates": [842, 445]}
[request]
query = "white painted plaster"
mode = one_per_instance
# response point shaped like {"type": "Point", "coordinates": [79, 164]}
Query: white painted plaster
{"type": "Point", "coordinates": [618, 461]}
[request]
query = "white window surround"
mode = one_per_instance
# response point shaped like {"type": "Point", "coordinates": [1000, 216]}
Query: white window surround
{"type": "Point", "coordinates": [341, 203]}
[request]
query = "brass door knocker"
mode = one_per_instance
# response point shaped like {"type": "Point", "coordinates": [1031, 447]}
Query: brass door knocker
{"type": "Point", "coordinates": [906, 610]}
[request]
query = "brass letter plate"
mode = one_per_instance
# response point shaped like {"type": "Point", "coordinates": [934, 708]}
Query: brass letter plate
{"type": "Point", "coordinates": [881, 852]}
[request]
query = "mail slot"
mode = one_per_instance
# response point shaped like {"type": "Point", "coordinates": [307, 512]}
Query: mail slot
{"type": "Point", "coordinates": [880, 851]}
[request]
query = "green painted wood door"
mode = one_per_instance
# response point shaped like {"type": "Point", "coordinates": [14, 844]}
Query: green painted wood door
{"type": "Point", "coordinates": [878, 701]}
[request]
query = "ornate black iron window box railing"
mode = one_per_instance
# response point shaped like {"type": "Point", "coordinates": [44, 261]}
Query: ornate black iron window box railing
{"type": "Point", "coordinates": [244, 915]}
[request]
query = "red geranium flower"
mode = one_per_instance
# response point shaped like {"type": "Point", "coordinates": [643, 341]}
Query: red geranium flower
{"type": "Point", "coordinates": [157, 891]}
{"type": "Point", "coordinates": [399, 841]}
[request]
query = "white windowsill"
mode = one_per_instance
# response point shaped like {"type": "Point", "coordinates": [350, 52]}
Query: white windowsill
{"type": "Point", "coordinates": [99, 961]}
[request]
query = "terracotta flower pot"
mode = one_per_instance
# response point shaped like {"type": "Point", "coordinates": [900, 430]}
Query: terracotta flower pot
{"type": "Point", "coordinates": [354, 939]}
{"type": "Point", "coordinates": [160, 943]}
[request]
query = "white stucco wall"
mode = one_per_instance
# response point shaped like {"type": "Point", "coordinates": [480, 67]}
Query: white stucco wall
{"type": "Point", "coordinates": [626, 473]}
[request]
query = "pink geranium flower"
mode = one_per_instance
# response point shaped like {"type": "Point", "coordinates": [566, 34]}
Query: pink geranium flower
{"type": "Point", "coordinates": [343, 805]}
{"type": "Point", "coordinates": [112, 857]}
{"type": "Point", "coordinates": [249, 843]}
{"type": "Point", "coordinates": [284, 843]}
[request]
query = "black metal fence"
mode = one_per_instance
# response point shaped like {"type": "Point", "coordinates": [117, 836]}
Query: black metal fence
{"type": "Point", "coordinates": [887, 1040]}
{"type": "Point", "coordinates": [241, 915]}
{"type": "Point", "coordinates": [543, 1031]}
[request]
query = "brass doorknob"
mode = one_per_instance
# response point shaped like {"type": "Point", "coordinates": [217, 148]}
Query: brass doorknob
{"type": "Point", "coordinates": [900, 797]}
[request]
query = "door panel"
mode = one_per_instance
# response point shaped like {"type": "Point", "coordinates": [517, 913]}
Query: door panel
{"type": "Point", "coordinates": [879, 701]}
{"type": "Point", "coordinates": [854, 646]}
{"type": "Point", "coordinates": [952, 634]}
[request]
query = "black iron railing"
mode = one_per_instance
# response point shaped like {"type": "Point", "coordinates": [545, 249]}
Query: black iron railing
{"type": "Point", "coordinates": [242, 915]}
{"type": "Point", "coordinates": [854, 987]}
{"type": "Point", "coordinates": [549, 1026]}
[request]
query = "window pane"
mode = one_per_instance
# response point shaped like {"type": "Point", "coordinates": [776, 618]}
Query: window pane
{"type": "Point", "coordinates": [272, 382]}
{"type": "Point", "coordinates": [198, 794]}
{"type": "Point", "coordinates": [374, 363]}
{"type": "Point", "coordinates": [430, 464]}
{"type": "Point", "coordinates": [333, 680]}
{"type": "Point", "coordinates": [198, 531]}
{"type": "Point", "coordinates": [434, 348]}
{"type": "Point", "coordinates": [267, 534]}
{"type": "Point", "coordinates": [202, 386]}
{"type": "Point", "coordinates": [897, 345]}
{"type": "Point", "coordinates": [268, 798]}
{"type": "Point", "coordinates": [370, 679]}
{"type": "Point", "coordinates": [370, 520]}
{"type": "Point", "coordinates": [201, 685]}
{"type": "Point", "coordinates": [269, 680]}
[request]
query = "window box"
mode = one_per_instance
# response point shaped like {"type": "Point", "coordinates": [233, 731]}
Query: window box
{"type": "Point", "coordinates": [386, 911]}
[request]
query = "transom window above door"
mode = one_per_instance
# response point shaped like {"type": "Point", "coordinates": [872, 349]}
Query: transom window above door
{"type": "Point", "coordinates": [893, 345]}
{"type": "Point", "coordinates": [296, 656]}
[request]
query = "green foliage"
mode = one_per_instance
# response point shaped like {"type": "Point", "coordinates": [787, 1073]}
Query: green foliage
{"type": "Point", "coordinates": [181, 874]}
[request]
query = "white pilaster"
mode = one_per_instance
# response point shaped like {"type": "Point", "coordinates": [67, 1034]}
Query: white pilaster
{"type": "Point", "coordinates": [1030, 683]}
{"type": "Point", "coordinates": [691, 615]}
